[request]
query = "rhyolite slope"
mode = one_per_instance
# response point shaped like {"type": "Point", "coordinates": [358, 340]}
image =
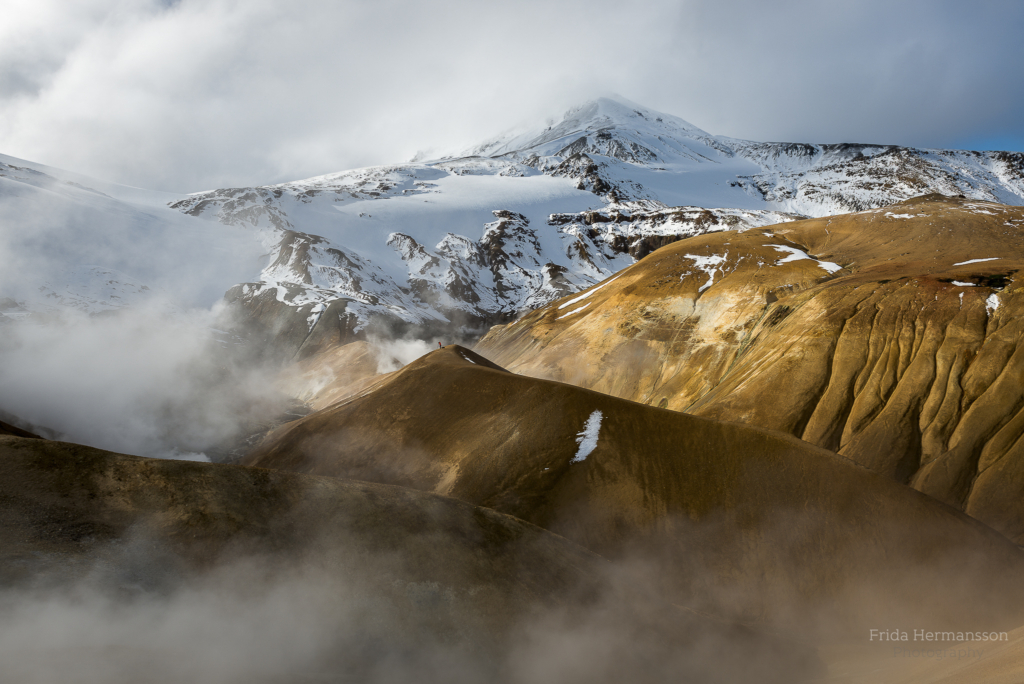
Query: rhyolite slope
{"type": "Point", "coordinates": [891, 336]}
{"type": "Point", "coordinates": [731, 516]}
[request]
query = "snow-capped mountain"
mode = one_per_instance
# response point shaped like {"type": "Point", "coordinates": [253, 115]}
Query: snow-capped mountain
{"type": "Point", "coordinates": [823, 180]}
{"type": "Point", "coordinates": [471, 239]}
{"type": "Point", "coordinates": [626, 152]}
{"type": "Point", "coordinates": [468, 241]}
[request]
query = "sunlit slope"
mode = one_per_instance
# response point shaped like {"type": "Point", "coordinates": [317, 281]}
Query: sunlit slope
{"type": "Point", "coordinates": [779, 523]}
{"type": "Point", "coordinates": [895, 343]}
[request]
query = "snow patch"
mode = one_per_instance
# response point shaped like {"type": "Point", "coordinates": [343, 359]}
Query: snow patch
{"type": "Point", "coordinates": [586, 294]}
{"type": "Point", "coordinates": [573, 311]}
{"type": "Point", "coordinates": [829, 266]}
{"type": "Point", "coordinates": [177, 455]}
{"type": "Point", "coordinates": [976, 261]}
{"type": "Point", "coordinates": [314, 315]}
{"type": "Point", "coordinates": [798, 255]}
{"type": "Point", "coordinates": [960, 284]}
{"type": "Point", "coordinates": [708, 264]}
{"type": "Point", "coordinates": [992, 303]}
{"type": "Point", "coordinates": [587, 437]}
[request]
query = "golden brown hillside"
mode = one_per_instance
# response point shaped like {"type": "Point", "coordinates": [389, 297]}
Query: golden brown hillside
{"type": "Point", "coordinates": [720, 509]}
{"type": "Point", "coordinates": [890, 336]}
{"type": "Point", "coordinates": [332, 374]}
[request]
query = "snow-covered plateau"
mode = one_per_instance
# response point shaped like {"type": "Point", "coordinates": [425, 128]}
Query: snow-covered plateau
{"type": "Point", "coordinates": [447, 246]}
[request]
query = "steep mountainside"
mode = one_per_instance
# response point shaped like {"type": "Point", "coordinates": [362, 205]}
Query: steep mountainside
{"type": "Point", "coordinates": [771, 527]}
{"type": "Point", "coordinates": [891, 336]}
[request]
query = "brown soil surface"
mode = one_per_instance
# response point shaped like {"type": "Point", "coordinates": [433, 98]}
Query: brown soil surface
{"type": "Point", "coordinates": [902, 360]}
{"type": "Point", "coordinates": [728, 515]}
{"type": "Point", "coordinates": [331, 375]}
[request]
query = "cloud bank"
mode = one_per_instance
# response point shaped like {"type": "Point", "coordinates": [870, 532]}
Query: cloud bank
{"type": "Point", "coordinates": [193, 94]}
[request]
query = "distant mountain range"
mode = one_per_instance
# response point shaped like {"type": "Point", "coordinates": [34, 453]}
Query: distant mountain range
{"type": "Point", "coordinates": [452, 245]}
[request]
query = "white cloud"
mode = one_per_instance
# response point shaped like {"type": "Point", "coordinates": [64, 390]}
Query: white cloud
{"type": "Point", "coordinates": [209, 93]}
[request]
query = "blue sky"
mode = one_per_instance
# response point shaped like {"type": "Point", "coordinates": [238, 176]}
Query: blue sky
{"type": "Point", "coordinates": [194, 94]}
{"type": "Point", "coordinates": [1009, 141]}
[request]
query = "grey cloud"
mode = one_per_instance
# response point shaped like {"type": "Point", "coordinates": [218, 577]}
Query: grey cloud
{"type": "Point", "coordinates": [191, 95]}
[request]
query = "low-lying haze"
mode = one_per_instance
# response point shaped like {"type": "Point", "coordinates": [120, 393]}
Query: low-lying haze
{"type": "Point", "coordinates": [153, 382]}
{"type": "Point", "coordinates": [190, 95]}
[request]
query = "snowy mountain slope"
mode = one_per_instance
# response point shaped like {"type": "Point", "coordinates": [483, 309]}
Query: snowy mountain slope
{"type": "Point", "coordinates": [69, 243]}
{"type": "Point", "coordinates": [473, 239]}
{"type": "Point", "coordinates": [456, 243]}
{"type": "Point", "coordinates": [821, 180]}
{"type": "Point", "coordinates": [623, 151]}
{"type": "Point", "coordinates": [50, 176]}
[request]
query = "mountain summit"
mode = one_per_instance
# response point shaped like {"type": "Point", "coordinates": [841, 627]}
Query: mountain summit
{"type": "Point", "coordinates": [612, 127]}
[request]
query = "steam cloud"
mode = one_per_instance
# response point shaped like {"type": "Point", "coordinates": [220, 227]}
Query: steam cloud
{"type": "Point", "coordinates": [172, 94]}
{"type": "Point", "coordinates": [149, 382]}
{"type": "Point", "coordinates": [392, 354]}
{"type": "Point", "coordinates": [258, 620]}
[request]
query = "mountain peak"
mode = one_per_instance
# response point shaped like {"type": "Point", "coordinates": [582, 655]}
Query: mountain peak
{"type": "Point", "coordinates": [617, 110]}
{"type": "Point", "coordinates": [609, 125]}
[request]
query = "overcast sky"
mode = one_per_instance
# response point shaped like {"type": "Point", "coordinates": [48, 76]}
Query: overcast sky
{"type": "Point", "coordinates": [195, 94]}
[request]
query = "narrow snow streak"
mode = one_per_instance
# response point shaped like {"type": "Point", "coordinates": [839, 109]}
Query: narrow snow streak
{"type": "Point", "coordinates": [587, 293]}
{"type": "Point", "coordinates": [314, 314]}
{"type": "Point", "coordinates": [992, 303]}
{"type": "Point", "coordinates": [573, 311]}
{"type": "Point", "coordinates": [587, 437]}
{"type": "Point", "coordinates": [976, 261]}
{"type": "Point", "coordinates": [960, 284]}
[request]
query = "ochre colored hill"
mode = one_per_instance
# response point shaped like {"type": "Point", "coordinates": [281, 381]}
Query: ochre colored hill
{"type": "Point", "coordinates": [331, 375]}
{"type": "Point", "coordinates": [430, 572]}
{"type": "Point", "coordinates": [891, 336]}
{"type": "Point", "coordinates": [720, 509]}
